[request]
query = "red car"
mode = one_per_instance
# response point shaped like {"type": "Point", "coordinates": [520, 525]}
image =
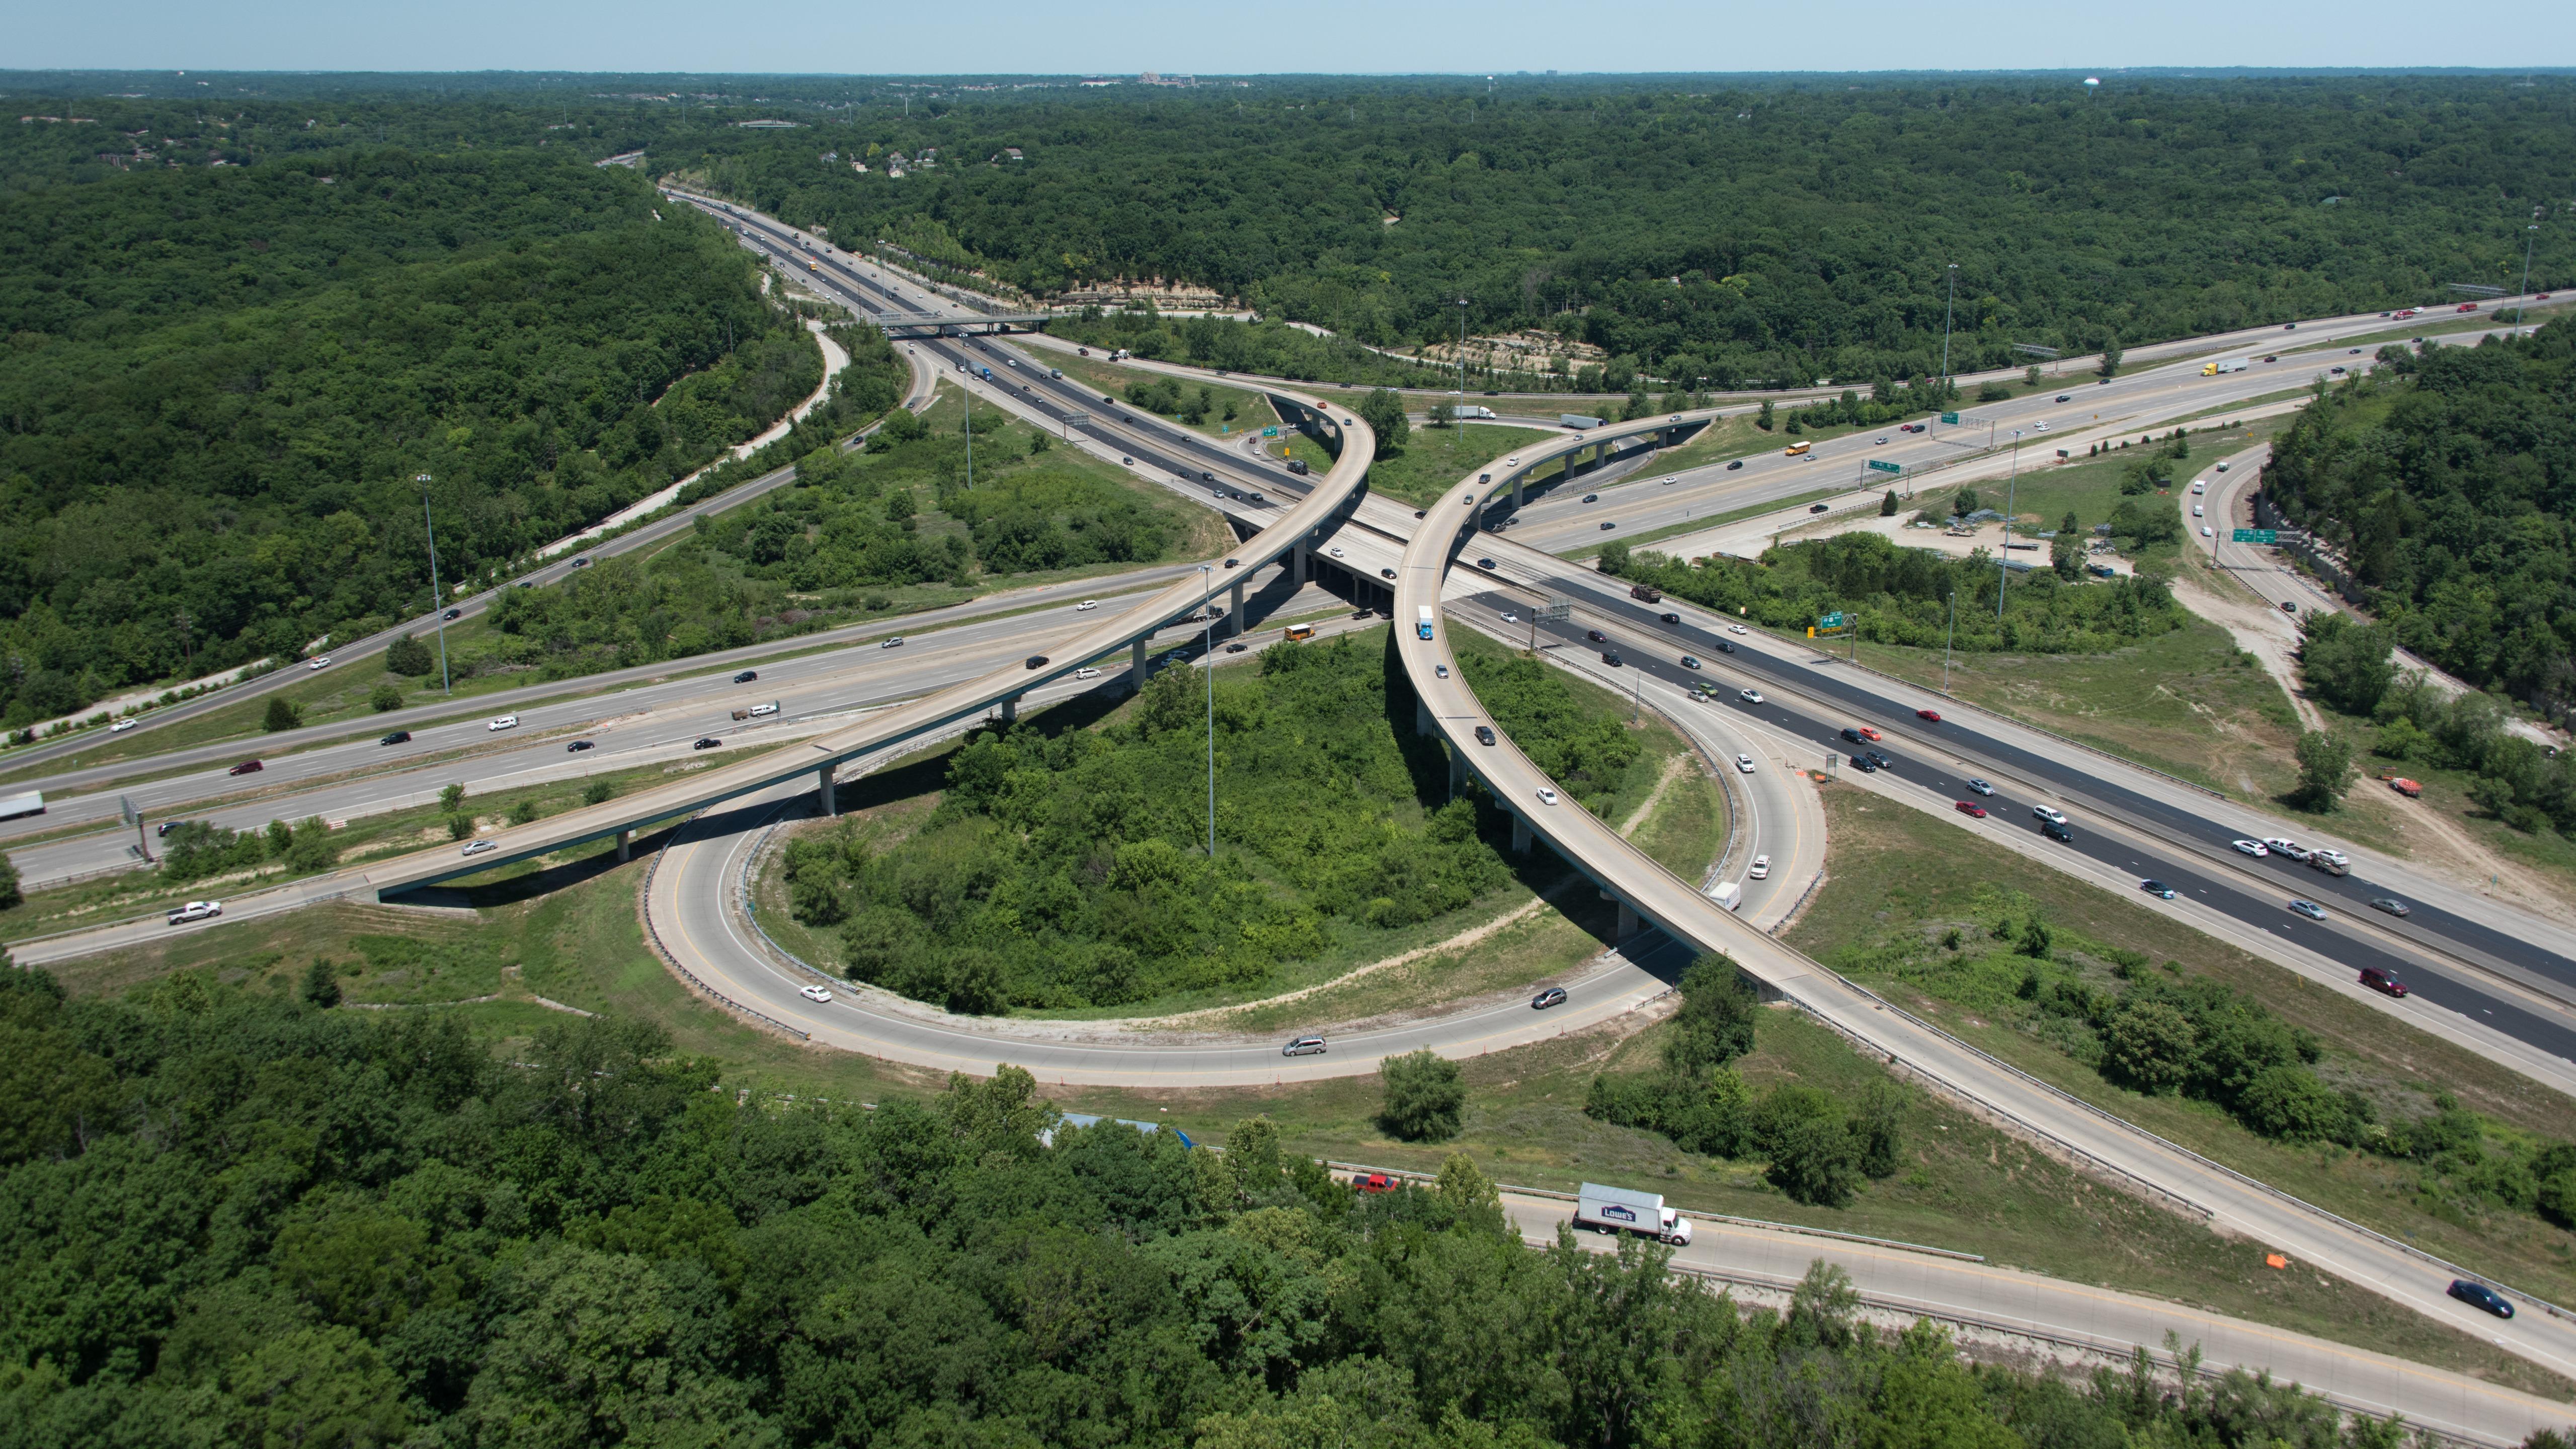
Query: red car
{"type": "Point", "coordinates": [1933, 715]}
{"type": "Point", "coordinates": [246, 767]}
{"type": "Point", "coordinates": [1372, 1182]}
{"type": "Point", "coordinates": [1969, 807]}
{"type": "Point", "coordinates": [2468, 306]}
{"type": "Point", "coordinates": [1869, 734]}
{"type": "Point", "coordinates": [2378, 980]}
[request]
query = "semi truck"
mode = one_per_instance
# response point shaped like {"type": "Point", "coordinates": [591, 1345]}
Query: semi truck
{"type": "Point", "coordinates": [1647, 592]}
{"type": "Point", "coordinates": [2225, 365]}
{"type": "Point", "coordinates": [1619, 1210]}
{"type": "Point", "coordinates": [1470, 410]}
{"type": "Point", "coordinates": [13, 806]}
{"type": "Point", "coordinates": [1422, 622]}
{"type": "Point", "coordinates": [1577, 421]}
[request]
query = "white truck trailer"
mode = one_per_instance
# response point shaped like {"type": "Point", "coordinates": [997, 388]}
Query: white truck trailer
{"type": "Point", "coordinates": [1618, 1210]}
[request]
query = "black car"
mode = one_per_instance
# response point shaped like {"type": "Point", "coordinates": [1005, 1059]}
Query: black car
{"type": "Point", "coordinates": [1670, 618]}
{"type": "Point", "coordinates": [166, 826]}
{"type": "Point", "coordinates": [2157, 888]}
{"type": "Point", "coordinates": [398, 737]}
{"type": "Point", "coordinates": [1037, 661]}
{"type": "Point", "coordinates": [706, 742]}
{"type": "Point", "coordinates": [1607, 525]}
{"type": "Point", "coordinates": [1236, 648]}
{"type": "Point", "coordinates": [1386, 573]}
{"type": "Point", "coordinates": [1484, 736]}
{"type": "Point", "coordinates": [1820, 508]}
{"type": "Point", "coordinates": [1553, 996]}
{"type": "Point", "coordinates": [1595, 635]}
{"type": "Point", "coordinates": [2479, 1295]}
{"type": "Point", "coordinates": [1862, 764]}
{"type": "Point", "coordinates": [1611, 658]}
{"type": "Point", "coordinates": [1738, 463]}
{"type": "Point", "coordinates": [1875, 758]}
{"type": "Point", "coordinates": [1852, 735]}
{"type": "Point", "coordinates": [747, 676]}
{"type": "Point", "coordinates": [577, 746]}
{"type": "Point", "coordinates": [1591, 497]}
{"type": "Point", "coordinates": [1725, 646]}
{"type": "Point", "coordinates": [453, 614]}
{"type": "Point", "coordinates": [1484, 563]}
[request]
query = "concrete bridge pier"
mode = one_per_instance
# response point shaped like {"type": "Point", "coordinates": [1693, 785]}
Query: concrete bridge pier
{"type": "Point", "coordinates": [1234, 610]}
{"type": "Point", "coordinates": [1011, 709]}
{"type": "Point", "coordinates": [823, 787]}
{"type": "Point", "coordinates": [1517, 479]}
{"type": "Point", "coordinates": [1627, 921]}
{"type": "Point", "coordinates": [625, 846]}
{"type": "Point", "coordinates": [1136, 668]}
{"type": "Point", "coordinates": [1521, 834]}
{"type": "Point", "coordinates": [1297, 567]}
{"type": "Point", "coordinates": [1421, 717]}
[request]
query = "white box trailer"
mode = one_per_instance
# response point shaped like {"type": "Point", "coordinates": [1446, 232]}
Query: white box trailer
{"type": "Point", "coordinates": [1619, 1210]}
{"type": "Point", "coordinates": [1729, 895]}
{"type": "Point", "coordinates": [13, 806]}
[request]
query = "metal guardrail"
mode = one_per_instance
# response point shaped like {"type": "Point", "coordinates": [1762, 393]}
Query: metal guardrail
{"type": "Point", "coordinates": [654, 936]}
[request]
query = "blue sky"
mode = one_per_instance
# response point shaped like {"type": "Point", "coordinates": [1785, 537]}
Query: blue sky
{"type": "Point", "coordinates": [1336, 36]}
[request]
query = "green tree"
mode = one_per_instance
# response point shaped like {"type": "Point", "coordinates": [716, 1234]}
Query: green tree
{"type": "Point", "coordinates": [281, 715]}
{"type": "Point", "coordinates": [2030, 375]}
{"type": "Point", "coordinates": [310, 848]}
{"type": "Point", "coordinates": [1887, 505]}
{"type": "Point", "coordinates": [451, 798]}
{"type": "Point", "coordinates": [281, 839]}
{"type": "Point", "coordinates": [1383, 411]}
{"type": "Point", "coordinates": [1964, 502]}
{"type": "Point", "coordinates": [2110, 356]}
{"type": "Point", "coordinates": [459, 826]}
{"type": "Point", "coordinates": [410, 657]}
{"type": "Point", "coordinates": [1763, 419]}
{"type": "Point", "coordinates": [523, 811]}
{"type": "Point", "coordinates": [1443, 414]}
{"type": "Point", "coordinates": [1614, 556]}
{"type": "Point", "coordinates": [2347, 664]}
{"type": "Point", "coordinates": [598, 792]}
{"type": "Point", "coordinates": [321, 983]}
{"type": "Point", "coordinates": [2149, 1044]}
{"type": "Point", "coordinates": [2066, 551]}
{"type": "Point", "coordinates": [2325, 770]}
{"type": "Point", "coordinates": [385, 698]}
{"type": "Point", "coordinates": [10, 894]}
{"type": "Point", "coordinates": [1424, 1097]}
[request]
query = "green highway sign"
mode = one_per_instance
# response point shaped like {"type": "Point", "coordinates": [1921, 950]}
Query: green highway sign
{"type": "Point", "coordinates": [1886, 467]}
{"type": "Point", "coordinates": [1270, 432]}
{"type": "Point", "coordinates": [2257, 535]}
{"type": "Point", "coordinates": [1830, 621]}
{"type": "Point", "coordinates": [1951, 418]}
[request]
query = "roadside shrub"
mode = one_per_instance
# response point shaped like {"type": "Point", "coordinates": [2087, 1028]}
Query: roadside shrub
{"type": "Point", "coordinates": [1424, 1097]}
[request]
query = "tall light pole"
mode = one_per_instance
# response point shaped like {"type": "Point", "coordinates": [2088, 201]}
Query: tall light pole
{"type": "Point", "coordinates": [1207, 647]}
{"type": "Point", "coordinates": [1946, 640]}
{"type": "Point", "coordinates": [1947, 308]}
{"type": "Point", "coordinates": [437, 599]}
{"type": "Point", "coordinates": [2003, 569]}
{"type": "Point", "coordinates": [2522, 310]}
{"type": "Point", "coordinates": [1462, 342]}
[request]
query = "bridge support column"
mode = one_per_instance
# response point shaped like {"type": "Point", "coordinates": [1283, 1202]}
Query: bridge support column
{"type": "Point", "coordinates": [1010, 709]}
{"type": "Point", "coordinates": [1136, 668]}
{"type": "Point", "coordinates": [1521, 836]}
{"type": "Point", "coordinates": [1627, 921]}
{"type": "Point", "coordinates": [1234, 610]}
{"type": "Point", "coordinates": [1297, 567]}
{"type": "Point", "coordinates": [1457, 772]}
{"type": "Point", "coordinates": [1421, 716]}
{"type": "Point", "coordinates": [625, 846]}
{"type": "Point", "coordinates": [1517, 480]}
{"type": "Point", "coordinates": [823, 784]}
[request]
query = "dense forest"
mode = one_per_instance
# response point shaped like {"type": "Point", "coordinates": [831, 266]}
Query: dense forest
{"type": "Point", "coordinates": [2447, 480]}
{"type": "Point", "coordinates": [242, 1217]}
{"type": "Point", "coordinates": [221, 382]}
{"type": "Point", "coordinates": [1069, 868]}
{"type": "Point", "coordinates": [1716, 226]}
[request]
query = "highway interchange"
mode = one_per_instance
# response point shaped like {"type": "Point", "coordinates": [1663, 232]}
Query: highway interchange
{"type": "Point", "coordinates": [2499, 973]}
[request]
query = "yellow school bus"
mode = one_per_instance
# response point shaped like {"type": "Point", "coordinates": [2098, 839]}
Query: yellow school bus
{"type": "Point", "coordinates": [1299, 632]}
{"type": "Point", "coordinates": [1795, 450]}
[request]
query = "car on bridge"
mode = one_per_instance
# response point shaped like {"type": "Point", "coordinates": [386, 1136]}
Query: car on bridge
{"type": "Point", "coordinates": [1744, 764]}
{"type": "Point", "coordinates": [505, 722]}
{"type": "Point", "coordinates": [196, 911]}
{"type": "Point", "coordinates": [1304, 1046]}
{"type": "Point", "coordinates": [398, 737]}
{"type": "Point", "coordinates": [2049, 813]}
{"type": "Point", "coordinates": [822, 994]}
{"type": "Point", "coordinates": [2391, 905]}
{"type": "Point", "coordinates": [2250, 847]}
{"type": "Point", "coordinates": [747, 676]}
{"type": "Point", "coordinates": [1553, 996]}
{"type": "Point", "coordinates": [1546, 796]}
{"type": "Point", "coordinates": [1760, 869]}
{"type": "Point", "coordinates": [1749, 696]}
{"type": "Point", "coordinates": [246, 767]}
{"type": "Point", "coordinates": [2479, 1295]}
{"type": "Point", "coordinates": [1969, 808]}
{"type": "Point", "coordinates": [2309, 909]}
{"type": "Point", "coordinates": [575, 747]}
{"type": "Point", "coordinates": [2383, 982]}
{"type": "Point", "coordinates": [1689, 662]}
{"type": "Point", "coordinates": [894, 643]}
{"type": "Point", "coordinates": [706, 742]}
{"type": "Point", "coordinates": [476, 847]}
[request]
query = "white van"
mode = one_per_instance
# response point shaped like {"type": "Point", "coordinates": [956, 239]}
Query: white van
{"type": "Point", "coordinates": [2200, 485]}
{"type": "Point", "coordinates": [2196, 510]}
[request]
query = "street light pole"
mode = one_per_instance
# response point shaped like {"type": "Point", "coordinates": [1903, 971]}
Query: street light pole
{"type": "Point", "coordinates": [2003, 569]}
{"type": "Point", "coordinates": [1462, 345]}
{"type": "Point", "coordinates": [1208, 648]}
{"type": "Point", "coordinates": [437, 599]}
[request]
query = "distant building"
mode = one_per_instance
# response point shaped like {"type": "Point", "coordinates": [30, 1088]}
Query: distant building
{"type": "Point", "coordinates": [770, 125]}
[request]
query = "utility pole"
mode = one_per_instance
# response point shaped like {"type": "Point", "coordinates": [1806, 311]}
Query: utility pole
{"type": "Point", "coordinates": [1207, 577]}
{"type": "Point", "coordinates": [2003, 568]}
{"type": "Point", "coordinates": [437, 599]}
{"type": "Point", "coordinates": [966, 401]}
